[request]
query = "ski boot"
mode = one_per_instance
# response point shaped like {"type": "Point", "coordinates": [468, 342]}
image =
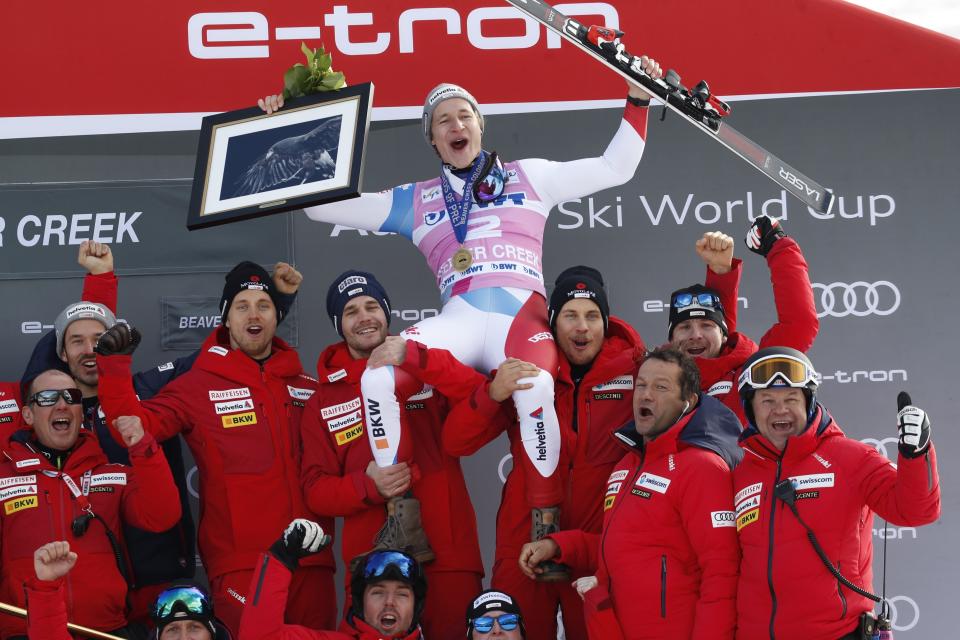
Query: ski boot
{"type": "Point", "coordinates": [544, 522]}
{"type": "Point", "coordinates": [402, 530]}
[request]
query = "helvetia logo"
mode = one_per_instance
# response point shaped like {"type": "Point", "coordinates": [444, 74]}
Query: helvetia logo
{"type": "Point", "coordinates": [541, 434]}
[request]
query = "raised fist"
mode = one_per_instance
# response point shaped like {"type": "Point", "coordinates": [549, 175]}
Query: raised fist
{"type": "Point", "coordinates": [286, 278]}
{"type": "Point", "coordinates": [53, 560]}
{"type": "Point", "coordinates": [119, 340]}
{"type": "Point", "coordinates": [715, 248]}
{"type": "Point", "coordinates": [95, 257]}
{"type": "Point", "coordinates": [914, 427]}
{"type": "Point", "coordinates": [301, 538]}
{"type": "Point", "coordinates": [761, 236]}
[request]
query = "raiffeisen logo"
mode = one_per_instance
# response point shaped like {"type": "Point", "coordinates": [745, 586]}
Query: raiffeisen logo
{"type": "Point", "coordinates": [248, 34]}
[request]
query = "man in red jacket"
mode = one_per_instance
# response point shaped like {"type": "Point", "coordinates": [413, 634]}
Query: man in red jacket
{"type": "Point", "coordinates": [180, 612]}
{"type": "Point", "coordinates": [425, 487]}
{"type": "Point", "coordinates": [57, 485]}
{"type": "Point", "coordinates": [703, 318]}
{"type": "Point", "coordinates": [666, 560]}
{"type": "Point", "coordinates": [601, 353]}
{"type": "Point", "coordinates": [239, 411]}
{"type": "Point", "coordinates": [829, 486]}
{"type": "Point", "coordinates": [388, 586]}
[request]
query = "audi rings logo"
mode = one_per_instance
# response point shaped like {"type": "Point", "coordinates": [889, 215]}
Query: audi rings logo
{"type": "Point", "coordinates": [881, 446]}
{"type": "Point", "coordinates": [860, 299]}
{"type": "Point", "coordinates": [904, 613]}
{"type": "Point", "coordinates": [500, 467]}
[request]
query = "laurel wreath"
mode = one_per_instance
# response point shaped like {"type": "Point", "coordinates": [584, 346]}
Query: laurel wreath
{"type": "Point", "coordinates": [315, 76]}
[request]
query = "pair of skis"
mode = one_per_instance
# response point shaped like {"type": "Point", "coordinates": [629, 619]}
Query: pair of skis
{"type": "Point", "coordinates": [698, 106]}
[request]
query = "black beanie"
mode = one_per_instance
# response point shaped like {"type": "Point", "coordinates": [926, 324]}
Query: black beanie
{"type": "Point", "coordinates": [493, 600]}
{"type": "Point", "coordinates": [247, 275]}
{"type": "Point", "coordinates": [349, 285]}
{"type": "Point", "coordinates": [696, 310]}
{"type": "Point", "coordinates": [578, 282]}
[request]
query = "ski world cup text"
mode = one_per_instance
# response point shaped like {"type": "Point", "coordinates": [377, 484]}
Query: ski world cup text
{"type": "Point", "coordinates": [55, 229]}
{"type": "Point", "coordinates": [593, 213]}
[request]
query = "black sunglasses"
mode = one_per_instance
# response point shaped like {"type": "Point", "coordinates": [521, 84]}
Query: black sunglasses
{"type": "Point", "coordinates": [49, 397]}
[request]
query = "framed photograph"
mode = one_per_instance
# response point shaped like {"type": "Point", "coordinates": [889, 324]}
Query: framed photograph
{"type": "Point", "coordinates": [251, 164]}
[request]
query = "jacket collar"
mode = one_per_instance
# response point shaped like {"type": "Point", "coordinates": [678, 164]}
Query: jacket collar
{"type": "Point", "coordinates": [622, 349]}
{"type": "Point", "coordinates": [710, 426]}
{"type": "Point", "coordinates": [337, 365]}
{"type": "Point", "coordinates": [217, 357]}
{"type": "Point", "coordinates": [25, 458]}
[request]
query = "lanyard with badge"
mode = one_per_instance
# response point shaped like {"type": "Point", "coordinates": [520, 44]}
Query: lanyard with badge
{"type": "Point", "coordinates": [485, 183]}
{"type": "Point", "coordinates": [79, 524]}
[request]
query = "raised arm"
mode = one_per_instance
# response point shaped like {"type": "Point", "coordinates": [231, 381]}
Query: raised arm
{"type": "Point", "coordinates": [797, 323]}
{"type": "Point", "coordinates": [557, 182]}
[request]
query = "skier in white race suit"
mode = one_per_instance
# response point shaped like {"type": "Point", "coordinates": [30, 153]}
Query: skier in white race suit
{"type": "Point", "coordinates": [480, 226]}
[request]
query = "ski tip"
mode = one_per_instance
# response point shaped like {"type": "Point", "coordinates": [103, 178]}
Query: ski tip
{"type": "Point", "coordinates": [827, 204]}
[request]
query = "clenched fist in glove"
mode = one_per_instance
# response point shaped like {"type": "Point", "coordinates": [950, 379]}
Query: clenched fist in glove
{"type": "Point", "coordinates": [119, 340]}
{"type": "Point", "coordinates": [301, 538]}
{"type": "Point", "coordinates": [761, 236]}
{"type": "Point", "coordinates": [914, 428]}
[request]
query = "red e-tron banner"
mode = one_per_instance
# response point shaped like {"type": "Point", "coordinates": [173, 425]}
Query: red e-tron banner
{"type": "Point", "coordinates": [189, 57]}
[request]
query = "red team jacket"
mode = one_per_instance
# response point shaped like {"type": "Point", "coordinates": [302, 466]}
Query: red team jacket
{"type": "Point", "coordinates": [336, 452]}
{"type": "Point", "coordinates": [241, 420]}
{"type": "Point", "coordinates": [668, 553]}
{"type": "Point", "coordinates": [38, 507]}
{"type": "Point", "coordinates": [840, 482]}
{"type": "Point", "coordinates": [602, 403]}
{"type": "Point", "coordinates": [797, 324]}
{"type": "Point", "coordinates": [263, 615]}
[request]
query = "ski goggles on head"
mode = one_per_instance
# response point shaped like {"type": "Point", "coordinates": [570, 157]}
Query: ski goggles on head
{"type": "Point", "coordinates": [380, 563]}
{"type": "Point", "coordinates": [778, 371]}
{"type": "Point", "coordinates": [187, 599]}
{"type": "Point", "coordinates": [507, 622]}
{"type": "Point", "coordinates": [49, 397]}
{"type": "Point", "coordinates": [683, 300]}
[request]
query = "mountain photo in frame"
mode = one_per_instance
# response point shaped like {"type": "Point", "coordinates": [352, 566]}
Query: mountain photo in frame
{"type": "Point", "coordinates": [251, 164]}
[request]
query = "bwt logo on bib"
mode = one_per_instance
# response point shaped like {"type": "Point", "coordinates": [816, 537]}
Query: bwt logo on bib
{"type": "Point", "coordinates": [541, 432]}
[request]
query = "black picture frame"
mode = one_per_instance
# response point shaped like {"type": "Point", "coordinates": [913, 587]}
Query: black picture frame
{"type": "Point", "coordinates": [250, 164]}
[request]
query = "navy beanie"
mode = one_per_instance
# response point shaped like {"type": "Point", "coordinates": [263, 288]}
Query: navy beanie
{"type": "Point", "coordinates": [349, 285]}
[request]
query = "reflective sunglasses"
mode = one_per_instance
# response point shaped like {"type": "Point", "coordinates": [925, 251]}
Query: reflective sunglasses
{"type": "Point", "coordinates": [507, 622]}
{"type": "Point", "coordinates": [49, 397]}
{"type": "Point", "coordinates": [788, 371]}
{"type": "Point", "coordinates": [377, 564]}
{"type": "Point", "coordinates": [191, 599]}
{"type": "Point", "coordinates": [683, 300]}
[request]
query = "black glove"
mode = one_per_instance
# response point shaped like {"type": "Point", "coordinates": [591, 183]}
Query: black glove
{"type": "Point", "coordinates": [761, 236]}
{"type": "Point", "coordinates": [301, 538]}
{"type": "Point", "coordinates": [914, 428]}
{"type": "Point", "coordinates": [119, 340]}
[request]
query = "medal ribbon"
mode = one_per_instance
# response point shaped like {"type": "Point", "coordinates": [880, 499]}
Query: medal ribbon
{"type": "Point", "coordinates": [459, 210]}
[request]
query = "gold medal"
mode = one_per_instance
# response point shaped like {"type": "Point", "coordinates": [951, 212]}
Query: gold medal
{"type": "Point", "coordinates": [462, 260]}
